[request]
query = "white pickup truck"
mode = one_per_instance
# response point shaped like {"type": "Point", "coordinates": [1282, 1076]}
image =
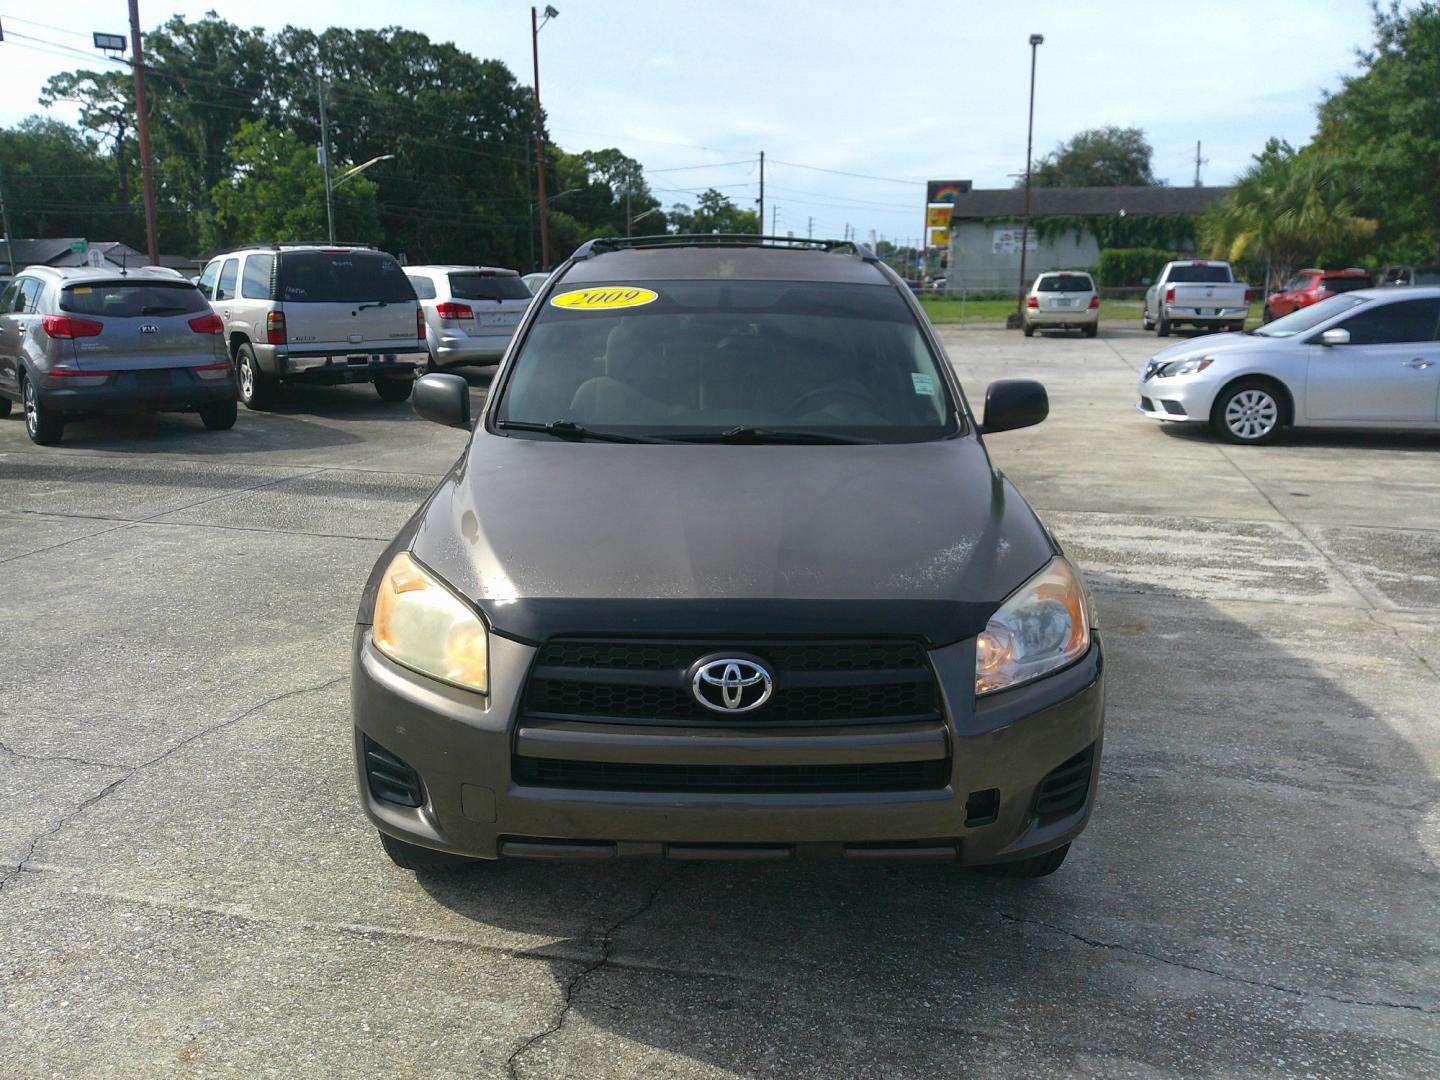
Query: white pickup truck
{"type": "Point", "coordinates": [1197, 292]}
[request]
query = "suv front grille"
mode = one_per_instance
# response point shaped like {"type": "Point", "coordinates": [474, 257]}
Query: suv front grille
{"type": "Point", "coordinates": [617, 776]}
{"type": "Point", "coordinates": [816, 682]}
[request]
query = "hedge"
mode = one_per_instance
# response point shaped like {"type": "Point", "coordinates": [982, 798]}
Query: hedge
{"type": "Point", "coordinates": [1132, 266]}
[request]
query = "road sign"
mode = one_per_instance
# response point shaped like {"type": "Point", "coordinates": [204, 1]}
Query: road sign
{"type": "Point", "coordinates": [79, 247]}
{"type": "Point", "coordinates": [110, 42]}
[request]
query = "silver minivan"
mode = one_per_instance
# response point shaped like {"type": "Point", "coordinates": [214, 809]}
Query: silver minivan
{"type": "Point", "coordinates": [316, 314]}
{"type": "Point", "coordinates": [471, 312]}
{"type": "Point", "coordinates": [77, 340]}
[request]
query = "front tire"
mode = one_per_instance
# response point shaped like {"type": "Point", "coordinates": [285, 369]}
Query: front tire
{"type": "Point", "coordinates": [413, 857]}
{"type": "Point", "coordinates": [1248, 413]}
{"type": "Point", "coordinates": [394, 389]}
{"type": "Point", "coordinates": [220, 416]}
{"type": "Point", "coordinates": [255, 388]}
{"type": "Point", "coordinates": [44, 424]}
{"type": "Point", "coordinates": [1036, 866]}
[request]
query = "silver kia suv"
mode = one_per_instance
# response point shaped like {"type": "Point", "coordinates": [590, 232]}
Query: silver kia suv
{"type": "Point", "coordinates": [317, 314]}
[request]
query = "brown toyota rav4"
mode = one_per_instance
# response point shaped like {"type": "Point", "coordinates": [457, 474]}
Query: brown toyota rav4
{"type": "Point", "coordinates": [725, 571]}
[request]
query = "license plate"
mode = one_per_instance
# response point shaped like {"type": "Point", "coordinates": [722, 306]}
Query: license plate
{"type": "Point", "coordinates": [152, 378]}
{"type": "Point", "coordinates": [505, 319]}
{"type": "Point", "coordinates": [1208, 311]}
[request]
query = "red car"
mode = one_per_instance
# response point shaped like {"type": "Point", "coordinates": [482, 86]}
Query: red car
{"type": "Point", "coordinates": [1311, 286]}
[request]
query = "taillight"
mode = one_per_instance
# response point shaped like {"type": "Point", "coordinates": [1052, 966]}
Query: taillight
{"type": "Point", "coordinates": [419, 323]}
{"type": "Point", "coordinates": [275, 328]}
{"type": "Point", "coordinates": [1249, 295]}
{"type": "Point", "coordinates": [63, 326]}
{"type": "Point", "coordinates": [1032, 302]}
{"type": "Point", "coordinates": [65, 375]}
{"type": "Point", "coordinates": [1094, 301]}
{"type": "Point", "coordinates": [207, 324]}
{"type": "Point", "coordinates": [454, 311]}
{"type": "Point", "coordinates": [1169, 296]}
{"type": "Point", "coordinates": [213, 371]}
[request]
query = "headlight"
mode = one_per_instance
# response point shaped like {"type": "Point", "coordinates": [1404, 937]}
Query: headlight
{"type": "Point", "coordinates": [1193, 366]}
{"type": "Point", "coordinates": [423, 625]}
{"type": "Point", "coordinates": [1044, 625]}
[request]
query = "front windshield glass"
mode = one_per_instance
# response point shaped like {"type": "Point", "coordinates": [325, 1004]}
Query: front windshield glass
{"type": "Point", "coordinates": [1303, 319]}
{"type": "Point", "coordinates": [696, 357]}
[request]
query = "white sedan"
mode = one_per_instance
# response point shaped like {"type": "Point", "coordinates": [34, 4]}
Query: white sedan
{"type": "Point", "coordinates": [1364, 359]}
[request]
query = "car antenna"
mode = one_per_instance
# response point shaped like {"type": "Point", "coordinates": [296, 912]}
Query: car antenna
{"type": "Point", "coordinates": [123, 271]}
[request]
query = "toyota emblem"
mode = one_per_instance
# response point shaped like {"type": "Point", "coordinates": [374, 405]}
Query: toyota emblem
{"type": "Point", "coordinates": [731, 684]}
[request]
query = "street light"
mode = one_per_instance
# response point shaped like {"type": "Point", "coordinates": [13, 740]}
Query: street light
{"type": "Point", "coordinates": [631, 221]}
{"type": "Point", "coordinates": [1036, 40]}
{"type": "Point", "coordinates": [535, 24]}
{"type": "Point", "coordinates": [358, 169]}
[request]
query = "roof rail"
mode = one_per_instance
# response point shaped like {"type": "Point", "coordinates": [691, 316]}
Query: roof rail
{"type": "Point", "coordinates": [602, 244]}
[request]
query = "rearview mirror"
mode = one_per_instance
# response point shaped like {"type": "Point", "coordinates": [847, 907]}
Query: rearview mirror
{"type": "Point", "coordinates": [1336, 336]}
{"type": "Point", "coordinates": [443, 399]}
{"type": "Point", "coordinates": [1014, 403]}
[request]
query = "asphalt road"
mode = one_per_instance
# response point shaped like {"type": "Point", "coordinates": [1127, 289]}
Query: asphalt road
{"type": "Point", "coordinates": [187, 885]}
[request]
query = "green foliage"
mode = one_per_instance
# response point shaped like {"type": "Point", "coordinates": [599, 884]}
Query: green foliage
{"type": "Point", "coordinates": [1132, 266]}
{"type": "Point", "coordinates": [1099, 157]}
{"type": "Point", "coordinates": [1384, 123]}
{"type": "Point", "coordinates": [1290, 209]}
{"type": "Point", "coordinates": [56, 183]}
{"type": "Point", "coordinates": [714, 212]}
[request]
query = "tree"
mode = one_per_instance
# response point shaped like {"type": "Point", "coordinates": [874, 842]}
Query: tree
{"type": "Point", "coordinates": [714, 213]}
{"type": "Point", "coordinates": [1385, 124]}
{"type": "Point", "coordinates": [275, 190]}
{"type": "Point", "coordinates": [1289, 209]}
{"type": "Point", "coordinates": [57, 183]}
{"type": "Point", "coordinates": [1099, 157]}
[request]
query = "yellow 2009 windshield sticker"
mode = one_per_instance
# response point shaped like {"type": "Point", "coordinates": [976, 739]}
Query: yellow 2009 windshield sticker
{"type": "Point", "coordinates": [607, 298]}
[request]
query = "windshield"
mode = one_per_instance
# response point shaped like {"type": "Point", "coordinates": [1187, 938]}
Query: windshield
{"type": "Point", "coordinates": [708, 357]}
{"type": "Point", "coordinates": [124, 300]}
{"type": "Point", "coordinates": [1209, 274]}
{"type": "Point", "coordinates": [342, 277]}
{"type": "Point", "coordinates": [1065, 283]}
{"type": "Point", "coordinates": [488, 287]}
{"type": "Point", "coordinates": [1303, 319]}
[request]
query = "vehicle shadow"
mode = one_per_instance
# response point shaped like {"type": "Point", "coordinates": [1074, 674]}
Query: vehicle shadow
{"type": "Point", "coordinates": [1252, 801]}
{"type": "Point", "coordinates": [1321, 438]}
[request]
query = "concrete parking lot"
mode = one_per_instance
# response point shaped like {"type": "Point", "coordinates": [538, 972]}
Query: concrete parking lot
{"type": "Point", "coordinates": [187, 885]}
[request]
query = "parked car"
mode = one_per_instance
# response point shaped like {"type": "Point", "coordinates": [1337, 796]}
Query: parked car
{"type": "Point", "coordinates": [1369, 359]}
{"type": "Point", "coordinates": [470, 311]}
{"type": "Point", "coordinates": [726, 572]}
{"type": "Point", "coordinates": [1311, 286]}
{"type": "Point", "coordinates": [534, 282]}
{"type": "Point", "coordinates": [81, 340]}
{"type": "Point", "coordinates": [1196, 292]}
{"type": "Point", "coordinates": [1410, 275]}
{"type": "Point", "coordinates": [1062, 300]}
{"type": "Point", "coordinates": [316, 314]}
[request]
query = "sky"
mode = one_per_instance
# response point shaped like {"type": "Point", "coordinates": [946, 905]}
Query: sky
{"type": "Point", "coordinates": [893, 92]}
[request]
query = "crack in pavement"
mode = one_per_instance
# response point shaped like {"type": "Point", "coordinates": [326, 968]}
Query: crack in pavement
{"type": "Point", "coordinates": [1258, 984]}
{"type": "Point", "coordinates": [22, 864]}
{"type": "Point", "coordinates": [607, 944]}
{"type": "Point", "coordinates": [47, 758]}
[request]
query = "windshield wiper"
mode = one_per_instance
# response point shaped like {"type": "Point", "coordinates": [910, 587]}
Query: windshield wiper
{"type": "Point", "coordinates": [568, 429]}
{"type": "Point", "coordinates": [759, 435]}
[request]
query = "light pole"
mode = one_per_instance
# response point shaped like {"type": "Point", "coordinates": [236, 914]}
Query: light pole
{"type": "Point", "coordinates": [142, 116]}
{"type": "Point", "coordinates": [1036, 40]}
{"type": "Point", "coordinates": [358, 169]}
{"type": "Point", "coordinates": [630, 222]}
{"type": "Point", "coordinates": [535, 24]}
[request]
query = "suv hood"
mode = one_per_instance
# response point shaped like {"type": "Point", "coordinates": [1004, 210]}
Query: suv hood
{"type": "Point", "coordinates": [549, 537]}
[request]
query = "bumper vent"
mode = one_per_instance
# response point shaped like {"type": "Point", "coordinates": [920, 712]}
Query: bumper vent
{"type": "Point", "coordinates": [391, 780]}
{"type": "Point", "coordinates": [1064, 790]}
{"type": "Point", "coordinates": [1174, 408]}
{"type": "Point", "coordinates": [752, 779]}
{"type": "Point", "coordinates": [1147, 404]}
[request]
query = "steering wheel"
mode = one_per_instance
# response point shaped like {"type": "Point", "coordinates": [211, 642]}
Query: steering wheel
{"type": "Point", "coordinates": [806, 401]}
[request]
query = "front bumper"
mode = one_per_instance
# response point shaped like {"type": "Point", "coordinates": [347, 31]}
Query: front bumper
{"type": "Point", "coordinates": [1182, 398]}
{"type": "Point", "coordinates": [463, 745]}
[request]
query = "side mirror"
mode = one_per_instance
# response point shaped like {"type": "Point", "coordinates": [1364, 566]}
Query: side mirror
{"type": "Point", "coordinates": [1336, 336]}
{"type": "Point", "coordinates": [443, 399]}
{"type": "Point", "coordinates": [1014, 403]}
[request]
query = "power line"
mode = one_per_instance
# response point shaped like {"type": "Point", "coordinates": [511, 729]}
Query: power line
{"type": "Point", "coordinates": [842, 172]}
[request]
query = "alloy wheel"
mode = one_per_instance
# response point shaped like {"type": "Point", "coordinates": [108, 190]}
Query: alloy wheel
{"type": "Point", "coordinates": [247, 379]}
{"type": "Point", "coordinates": [32, 410]}
{"type": "Point", "coordinates": [1252, 414]}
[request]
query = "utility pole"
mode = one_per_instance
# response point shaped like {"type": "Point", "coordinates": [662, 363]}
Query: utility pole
{"type": "Point", "coordinates": [1198, 162]}
{"type": "Point", "coordinates": [535, 24]}
{"type": "Point", "coordinates": [142, 111]}
{"type": "Point", "coordinates": [1036, 40]}
{"type": "Point", "coordinates": [761, 229]}
{"type": "Point", "coordinates": [774, 217]}
{"type": "Point", "coordinates": [325, 159]}
{"type": "Point", "coordinates": [810, 228]}
{"type": "Point", "coordinates": [5, 222]}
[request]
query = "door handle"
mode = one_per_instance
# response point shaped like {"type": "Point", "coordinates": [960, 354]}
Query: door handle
{"type": "Point", "coordinates": [1419, 362]}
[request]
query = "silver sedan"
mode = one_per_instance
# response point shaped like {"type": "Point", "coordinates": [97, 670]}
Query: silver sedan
{"type": "Point", "coordinates": [1364, 359]}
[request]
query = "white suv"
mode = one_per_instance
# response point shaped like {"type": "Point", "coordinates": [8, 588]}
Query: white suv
{"type": "Point", "coordinates": [471, 312]}
{"type": "Point", "coordinates": [1063, 300]}
{"type": "Point", "coordinates": [316, 314]}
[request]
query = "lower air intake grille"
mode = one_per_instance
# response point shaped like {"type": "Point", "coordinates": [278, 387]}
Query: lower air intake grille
{"type": "Point", "coordinates": [1064, 790]}
{"type": "Point", "coordinates": [614, 776]}
{"type": "Point", "coordinates": [391, 780]}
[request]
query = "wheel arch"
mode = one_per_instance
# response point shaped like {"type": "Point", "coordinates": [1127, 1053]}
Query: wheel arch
{"type": "Point", "coordinates": [1283, 394]}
